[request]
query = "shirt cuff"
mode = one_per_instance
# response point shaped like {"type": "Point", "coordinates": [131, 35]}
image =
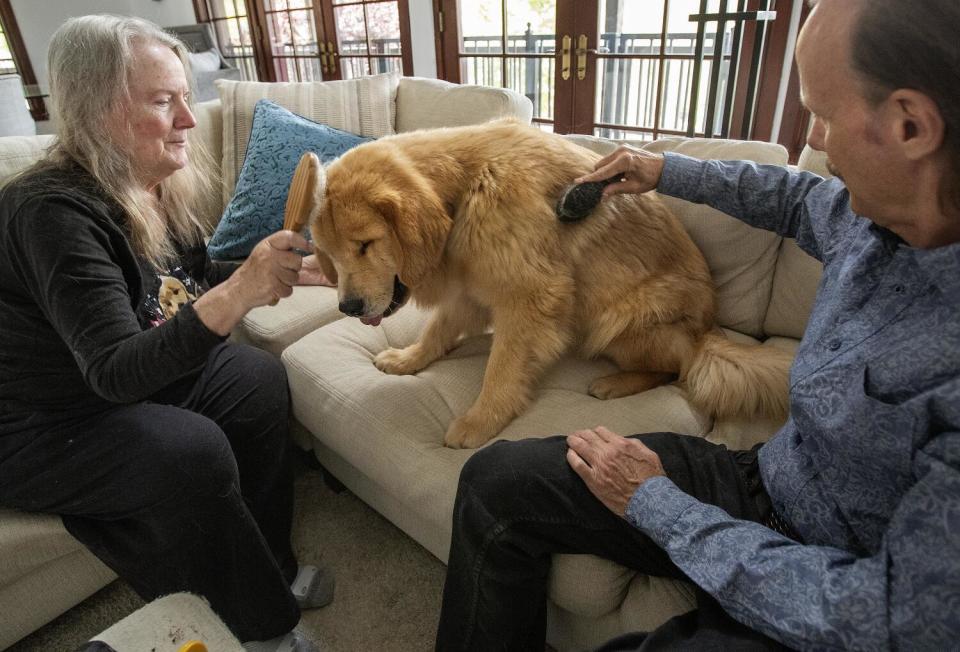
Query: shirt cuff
{"type": "Point", "coordinates": [655, 506]}
{"type": "Point", "coordinates": [196, 339]}
{"type": "Point", "coordinates": [680, 175]}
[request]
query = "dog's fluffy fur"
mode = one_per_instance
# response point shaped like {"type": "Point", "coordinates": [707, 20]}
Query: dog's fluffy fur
{"type": "Point", "coordinates": [464, 219]}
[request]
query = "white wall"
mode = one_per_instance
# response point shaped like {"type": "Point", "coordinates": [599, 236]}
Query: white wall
{"type": "Point", "coordinates": [39, 19]}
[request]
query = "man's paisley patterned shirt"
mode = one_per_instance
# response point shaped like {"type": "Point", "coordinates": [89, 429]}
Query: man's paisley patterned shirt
{"type": "Point", "coordinates": [867, 468]}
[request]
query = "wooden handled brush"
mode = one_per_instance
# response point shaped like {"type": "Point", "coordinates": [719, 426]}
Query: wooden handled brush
{"type": "Point", "coordinates": [300, 197]}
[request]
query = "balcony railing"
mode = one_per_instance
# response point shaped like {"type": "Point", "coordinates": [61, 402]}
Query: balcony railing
{"type": "Point", "coordinates": [627, 87]}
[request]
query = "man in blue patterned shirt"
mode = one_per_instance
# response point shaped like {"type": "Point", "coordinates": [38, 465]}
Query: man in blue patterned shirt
{"type": "Point", "coordinates": [843, 531]}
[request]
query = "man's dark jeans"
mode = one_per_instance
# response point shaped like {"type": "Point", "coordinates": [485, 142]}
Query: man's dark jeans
{"type": "Point", "coordinates": [520, 502]}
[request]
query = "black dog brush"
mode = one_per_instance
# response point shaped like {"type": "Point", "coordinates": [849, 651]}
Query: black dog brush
{"type": "Point", "coordinates": [578, 200]}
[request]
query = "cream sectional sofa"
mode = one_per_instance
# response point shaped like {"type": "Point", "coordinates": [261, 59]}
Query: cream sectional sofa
{"type": "Point", "coordinates": [382, 435]}
{"type": "Point", "coordinates": [43, 570]}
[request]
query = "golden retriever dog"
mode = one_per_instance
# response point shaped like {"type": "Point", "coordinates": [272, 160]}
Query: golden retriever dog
{"type": "Point", "coordinates": [463, 220]}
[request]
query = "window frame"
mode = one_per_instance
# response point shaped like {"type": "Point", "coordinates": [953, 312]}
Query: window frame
{"type": "Point", "coordinates": [322, 11]}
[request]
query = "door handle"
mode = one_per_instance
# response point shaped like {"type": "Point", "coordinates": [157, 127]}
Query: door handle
{"type": "Point", "coordinates": [565, 57]}
{"type": "Point", "coordinates": [582, 56]}
{"type": "Point", "coordinates": [332, 54]}
{"type": "Point", "coordinates": [323, 58]}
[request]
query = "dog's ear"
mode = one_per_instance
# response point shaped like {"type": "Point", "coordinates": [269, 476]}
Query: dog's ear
{"type": "Point", "coordinates": [319, 203]}
{"type": "Point", "coordinates": [319, 197]}
{"type": "Point", "coordinates": [326, 265]}
{"type": "Point", "coordinates": [421, 225]}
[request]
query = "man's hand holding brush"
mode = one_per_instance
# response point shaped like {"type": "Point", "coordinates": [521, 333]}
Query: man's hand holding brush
{"type": "Point", "coordinates": [638, 170]}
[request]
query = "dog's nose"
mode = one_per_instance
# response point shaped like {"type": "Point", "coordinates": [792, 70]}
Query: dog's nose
{"type": "Point", "coordinates": [352, 306]}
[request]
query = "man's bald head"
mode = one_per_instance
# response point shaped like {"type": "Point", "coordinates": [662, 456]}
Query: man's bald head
{"type": "Point", "coordinates": [889, 45]}
{"type": "Point", "coordinates": [826, 39]}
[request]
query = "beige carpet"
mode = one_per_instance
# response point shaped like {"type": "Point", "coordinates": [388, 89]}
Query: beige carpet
{"type": "Point", "coordinates": [388, 587]}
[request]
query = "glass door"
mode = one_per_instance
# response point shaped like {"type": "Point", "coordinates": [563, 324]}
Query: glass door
{"type": "Point", "coordinates": [506, 43]}
{"type": "Point", "coordinates": [645, 69]}
{"type": "Point", "coordinates": [367, 37]}
{"type": "Point", "coordinates": [293, 44]}
{"type": "Point", "coordinates": [311, 40]}
{"type": "Point", "coordinates": [614, 68]}
{"type": "Point", "coordinates": [232, 33]}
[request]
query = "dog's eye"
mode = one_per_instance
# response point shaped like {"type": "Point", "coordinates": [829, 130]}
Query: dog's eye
{"type": "Point", "coordinates": [364, 245]}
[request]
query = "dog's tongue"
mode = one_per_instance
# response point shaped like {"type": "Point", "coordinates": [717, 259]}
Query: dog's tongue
{"type": "Point", "coordinates": [373, 321]}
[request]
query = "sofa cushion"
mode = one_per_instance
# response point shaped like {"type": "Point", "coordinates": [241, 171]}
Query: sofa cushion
{"type": "Point", "coordinates": [365, 106]}
{"type": "Point", "coordinates": [795, 283]}
{"type": "Point", "coordinates": [17, 153]}
{"type": "Point", "coordinates": [741, 258]}
{"type": "Point", "coordinates": [44, 572]}
{"type": "Point", "coordinates": [797, 275]}
{"type": "Point", "coordinates": [813, 160]}
{"type": "Point", "coordinates": [583, 611]}
{"type": "Point", "coordinates": [209, 134]}
{"type": "Point", "coordinates": [277, 141]}
{"type": "Point", "coordinates": [274, 328]}
{"type": "Point", "coordinates": [30, 541]}
{"type": "Point", "coordinates": [431, 103]}
{"type": "Point", "coordinates": [391, 427]}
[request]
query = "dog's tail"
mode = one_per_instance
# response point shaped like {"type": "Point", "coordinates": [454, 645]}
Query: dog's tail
{"type": "Point", "coordinates": [727, 379]}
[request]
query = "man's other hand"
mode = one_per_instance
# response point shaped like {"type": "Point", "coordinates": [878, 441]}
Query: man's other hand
{"type": "Point", "coordinates": [611, 466]}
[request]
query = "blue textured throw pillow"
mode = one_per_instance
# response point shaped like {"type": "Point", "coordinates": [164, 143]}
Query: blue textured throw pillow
{"type": "Point", "coordinates": [278, 138]}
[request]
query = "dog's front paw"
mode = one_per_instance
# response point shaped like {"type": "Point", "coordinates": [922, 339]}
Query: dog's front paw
{"type": "Point", "coordinates": [399, 362]}
{"type": "Point", "coordinates": [469, 432]}
{"type": "Point", "coordinates": [607, 388]}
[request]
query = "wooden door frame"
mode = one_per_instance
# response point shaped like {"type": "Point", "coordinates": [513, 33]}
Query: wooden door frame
{"type": "Point", "coordinates": [584, 90]}
{"type": "Point", "coordinates": [774, 54]}
{"type": "Point", "coordinates": [446, 40]}
{"type": "Point", "coordinates": [795, 120]}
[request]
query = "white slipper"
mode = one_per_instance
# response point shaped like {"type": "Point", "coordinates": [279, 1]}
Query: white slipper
{"type": "Point", "coordinates": [313, 587]}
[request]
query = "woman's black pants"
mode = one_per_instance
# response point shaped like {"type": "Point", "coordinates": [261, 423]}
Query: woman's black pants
{"type": "Point", "coordinates": [191, 490]}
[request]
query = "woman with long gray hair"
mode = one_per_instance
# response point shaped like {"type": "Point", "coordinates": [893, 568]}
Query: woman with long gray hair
{"type": "Point", "coordinates": [164, 448]}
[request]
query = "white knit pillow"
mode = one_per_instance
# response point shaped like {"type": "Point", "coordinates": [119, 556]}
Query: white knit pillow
{"type": "Point", "coordinates": [365, 106]}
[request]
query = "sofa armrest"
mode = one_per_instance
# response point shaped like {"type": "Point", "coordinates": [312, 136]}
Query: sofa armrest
{"type": "Point", "coordinates": [17, 153]}
{"type": "Point", "coordinates": [430, 103]}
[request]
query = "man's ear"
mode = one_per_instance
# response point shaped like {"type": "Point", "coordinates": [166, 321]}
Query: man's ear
{"type": "Point", "coordinates": [919, 127]}
{"type": "Point", "coordinates": [421, 226]}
